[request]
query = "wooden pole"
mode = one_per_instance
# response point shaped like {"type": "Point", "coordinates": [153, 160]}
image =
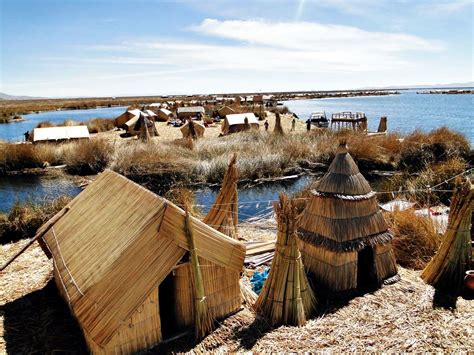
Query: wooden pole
{"type": "Point", "coordinates": [39, 234]}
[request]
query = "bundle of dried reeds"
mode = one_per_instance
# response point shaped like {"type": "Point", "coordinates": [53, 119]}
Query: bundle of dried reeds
{"type": "Point", "coordinates": [223, 214]}
{"type": "Point", "coordinates": [248, 295]}
{"type": "Point", "coordinates": [202, 317]}
{"type": "Point", "coordinates": [286, 297]}
{"type": "Point", "coordinates": [278, 127]}
{"type": "Point", "coordinates": [446, 269]}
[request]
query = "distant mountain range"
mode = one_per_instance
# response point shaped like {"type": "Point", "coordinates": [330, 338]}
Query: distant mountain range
{"type": "Point", "coordinates": [14, 97]}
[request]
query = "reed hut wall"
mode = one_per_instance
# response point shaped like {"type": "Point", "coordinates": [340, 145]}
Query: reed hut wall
{"type": "Point", "coordinates": [334, 271]}
{"type": "Point", "coordinates": [221, 287]}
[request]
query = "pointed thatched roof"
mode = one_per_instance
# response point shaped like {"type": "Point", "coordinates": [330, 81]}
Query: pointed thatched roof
{"type": "Point", "coordinates": [224, 215]}
{"type": "Point", "coordinates": [286, 297]}
{"type": "Point", "coordinates": [446, 269]}
{"type": "Point", "coordinates": [343, 214]}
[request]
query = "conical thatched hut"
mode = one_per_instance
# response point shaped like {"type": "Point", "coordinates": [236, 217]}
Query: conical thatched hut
{"type": "Point", "coordinates": [121, 263]}
{"type": "Point", "coordinates": [344, 239]}
{"type": "Point", "coordinates": [446, 269]}
{"type": "Point", "coordinates": [286, 297]}
{"type": "Point", "coordinates": [224, 215]}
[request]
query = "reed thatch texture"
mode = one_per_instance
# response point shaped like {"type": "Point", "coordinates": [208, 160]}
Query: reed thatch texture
{"type": "Point", "coordinates": [221, 287]}
{"type": "Point", "coordinates": [446, 269]}
{"type": "Point", "coordinates": [342, 219]}
{"type": "Point", "coordinates": [224, 215]}
{"type": "Point", "coordinates": [286, 297]}
{"type": "Point", "coordinates": [117, 244]}
{"type": "Point", "coordinates": [278, 127]}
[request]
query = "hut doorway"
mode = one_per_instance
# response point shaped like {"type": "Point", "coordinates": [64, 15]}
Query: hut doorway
{"type": "Point", "coordinates": [366, 275]}
{"type": "Point", "coordinates": [166, 299]}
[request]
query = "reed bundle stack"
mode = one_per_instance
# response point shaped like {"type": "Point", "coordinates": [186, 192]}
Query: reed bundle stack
{"type": "Point", "coordinates": [278, 127]}
{"type": "Point", "coordinates": [119, 254]}
{"type": "Point", "coordinates": [344, 239]}
{"type": "Point", "coordinates": [446, 269]}
{"type": "Point", "coordinates": [224, 215]}
{"type": "Point", "coordinates": [286, 297]}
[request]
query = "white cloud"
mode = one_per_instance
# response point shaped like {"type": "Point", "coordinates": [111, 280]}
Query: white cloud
{"type": "Point", "coordinates": [240, 55]}
{"type": "Point", "coordinates": [312, 35]}
{"type": "Point", "coordinates": [445, 7]}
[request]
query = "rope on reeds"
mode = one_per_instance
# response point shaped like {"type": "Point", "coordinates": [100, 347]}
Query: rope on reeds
{"type": "Point", "coordinates": [64, 262]}
{"type": "Point", "coordinates": [202, 317]}
{"type": "Point", "coordinates": [446, 269]}
{"type": "Point", "coordinates": [286, 297]}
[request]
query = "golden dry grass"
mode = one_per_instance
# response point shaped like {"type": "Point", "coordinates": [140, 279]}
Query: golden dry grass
{"type": "Point", "coordinates": [415, 238]}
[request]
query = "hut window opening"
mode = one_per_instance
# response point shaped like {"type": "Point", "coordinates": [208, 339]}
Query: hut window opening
{"type": "Point", "coordinates": [366, 275]}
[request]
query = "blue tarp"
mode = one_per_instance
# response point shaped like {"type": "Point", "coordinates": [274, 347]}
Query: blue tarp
{"type": "Point", "coordinates": [258, 279]}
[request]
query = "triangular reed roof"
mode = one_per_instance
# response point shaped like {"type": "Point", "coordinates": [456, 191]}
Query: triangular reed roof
{"type": "Point", "coordinates": [117, 242]}
{"type": "Point", "coordinates": [224, 215]}
{"type": "Point", "coordinates": [286, 297]}
{"type": "Point", "coordinates": [198, 129]}
{"type": "Point", "coordinates": [343, 214]}
{"type": "Point", "coordinates": [446, 269]}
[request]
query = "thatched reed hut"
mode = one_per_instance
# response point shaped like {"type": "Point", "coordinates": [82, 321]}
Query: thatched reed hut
{"type": "Point", "coordinates": [224, 214]}
{"type": "Point", "coordinates": [225, 110]}
{"type": "Point", "coordinates": [192, 129]}
{"type": "Point", "coordinates": [189, 112]}
{"type": "Point", "coordinates": [121, 263]}
{"type": "Point", "coordinates": [239, 122]}
{"type": "Point", "coordinates": [144, 127]}
{"type": "Point", "coordinates": [163, 114]}
{"type": "Point", "coordinates": [344, 239]}
{"type": "Point", "coordinates": [446, 269]}
{"type": "Point", "coordinates": [286, 297]}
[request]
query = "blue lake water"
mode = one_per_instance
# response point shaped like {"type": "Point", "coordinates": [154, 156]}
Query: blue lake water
{"type": "Point", "coordinates": [33, 189]}
{"type": "Point", "coordinates": [406, 112]}
{"type": "Point", "coordinates": [255, 200]}
{"type": "Point", "coordinates": [14, 131]}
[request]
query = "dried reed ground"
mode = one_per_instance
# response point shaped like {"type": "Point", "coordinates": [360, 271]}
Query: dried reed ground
{"type": "Point", "coordinates": [398, 317]}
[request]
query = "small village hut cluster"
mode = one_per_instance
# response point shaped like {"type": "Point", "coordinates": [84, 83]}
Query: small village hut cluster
{"type": "Point", "coordinates": [344, 239]}
{"type": "Point", "coordinates": [131, 121]}
{"type": "Point", "coordinates": [121, 263]}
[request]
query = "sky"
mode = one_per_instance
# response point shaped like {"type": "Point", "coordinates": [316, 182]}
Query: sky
{"type": "Point", "coordinates": [69, 48]}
